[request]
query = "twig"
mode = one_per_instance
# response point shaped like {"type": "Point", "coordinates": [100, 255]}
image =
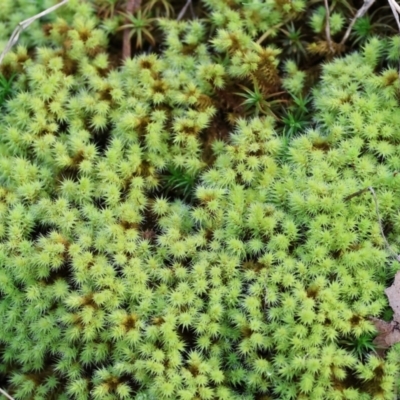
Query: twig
{"type": "Point", "coordinates": [24, 24]}
{"type": "Point", "coordinates": [131, 7]}
{"type": "Point", "coordinates": [6, 394]}
{"type": "Point", "coordinates": [350, 196]}
{"type": "Point", "coordinates": [367, 4]}
{"type": "Point", "coordinates": [370, 188]}
{"type": "Point", "coordinates": [396, 256]}
{"type": "Point", "coordinates": [396, 11]}
{"type": "Point", "coordinates": [269, 32]}
{"type": "Point", "coordinates": [183, 11]}
{"type": "Point", "coordinates": [327, 27]}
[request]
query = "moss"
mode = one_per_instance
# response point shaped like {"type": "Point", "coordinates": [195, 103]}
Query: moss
{"type": "Point", "coordinates": [160, 240]}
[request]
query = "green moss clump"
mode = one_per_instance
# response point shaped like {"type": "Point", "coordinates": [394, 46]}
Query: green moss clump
{"type": "Point", "coordinates": [158, 240]}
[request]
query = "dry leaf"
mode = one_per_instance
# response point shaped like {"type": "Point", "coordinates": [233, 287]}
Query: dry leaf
{"type": "Point", "coordinates": [389, 332]}
{"type": "Point", "coordinates": [388, 335]}
{"type": "Point", "coordinates": [393, 294]}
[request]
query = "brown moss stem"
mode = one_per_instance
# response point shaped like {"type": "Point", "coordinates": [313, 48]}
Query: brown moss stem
{"type": "Point", "coordinates": [131, 7]}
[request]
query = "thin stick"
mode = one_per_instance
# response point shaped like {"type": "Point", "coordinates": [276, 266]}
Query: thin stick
{"type": "Point", "coordinates": [370, 188]}
{"type": "Point", "coordinates": [367, 4]}
{"type": "Point", "coordinates": [269, 32]}
{"type": "Point", "coordinates": [396, 256]}
{"type": "Point", "coordinates": [327, 27]}
{"type": "Point", "coordinates": [24, 24]}
{"type": "Point", "coordinates": [355, 194]}
{"type": "Point", "coordinates": [183, 11]}
{"type": "Point", "coordinates": [396, 11]}
{"type": "Point", "coordinates": [6, 394]}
